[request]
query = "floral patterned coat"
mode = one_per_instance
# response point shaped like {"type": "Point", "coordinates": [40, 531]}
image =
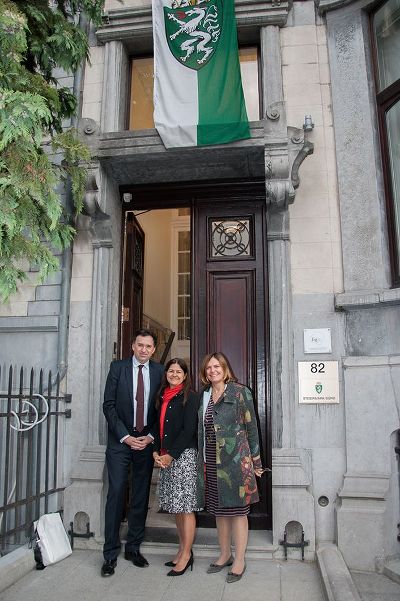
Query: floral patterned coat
{"type": "Point", "coordinates": [237, 448]}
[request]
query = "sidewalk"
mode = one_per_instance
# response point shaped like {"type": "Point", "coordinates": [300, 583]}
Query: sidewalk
{"type": "Point", "coordinates": [376, 587]}
{"type": "Point", "coordinates": [77, 578]}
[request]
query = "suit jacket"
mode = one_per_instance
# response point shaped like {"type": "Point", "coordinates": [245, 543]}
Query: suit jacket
{"type": "Point", "coordinates": [118, 400]}
{"type": "Point", "coordinates": [180, 425]}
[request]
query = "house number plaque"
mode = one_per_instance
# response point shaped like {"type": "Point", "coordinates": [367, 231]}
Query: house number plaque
{"type": "Point", "coordinates": [318, 382]}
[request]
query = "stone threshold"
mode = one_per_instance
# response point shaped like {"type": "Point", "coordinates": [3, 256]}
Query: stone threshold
{"type": "Point", "coordinates": [164, 540]}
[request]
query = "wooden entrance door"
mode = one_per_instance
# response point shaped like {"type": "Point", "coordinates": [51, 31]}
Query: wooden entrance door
{"type": "Point", "coordinates": [132, 282]}
{"type": "Point", "coordinates": [229, 296]}
{"type": "Point", "coordinates": [230, 308]}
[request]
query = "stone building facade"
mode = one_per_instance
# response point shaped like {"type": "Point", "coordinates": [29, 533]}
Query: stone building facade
{"type": "Point", "coordinates": [327, 265]}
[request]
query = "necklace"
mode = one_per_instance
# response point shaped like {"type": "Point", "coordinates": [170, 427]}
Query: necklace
{"type": "Point", "coordinates": [216, 394]}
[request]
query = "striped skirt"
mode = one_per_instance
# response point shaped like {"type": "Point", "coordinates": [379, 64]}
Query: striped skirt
{"type": "Point", "coordinates": [212, 505]}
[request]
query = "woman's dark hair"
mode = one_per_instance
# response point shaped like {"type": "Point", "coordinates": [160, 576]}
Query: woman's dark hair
{"type": "Point", "coordinates": [229, 375]}
{"type": "Point", "coordinates": [187, 382]}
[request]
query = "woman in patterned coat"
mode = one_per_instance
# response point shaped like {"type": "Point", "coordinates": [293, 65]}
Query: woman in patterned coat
{"type": "Point", "coordinates": [228, 460]}
{"type": "Point", "coordinates": [175, 453]}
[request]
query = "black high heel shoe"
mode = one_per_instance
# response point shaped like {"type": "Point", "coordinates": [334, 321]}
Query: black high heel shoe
{"type": "Point", "coordinates": [181, 572]}
{"type": "Point", "coordinates": [172, 564]}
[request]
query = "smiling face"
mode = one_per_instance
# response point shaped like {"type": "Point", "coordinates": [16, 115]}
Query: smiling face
{"type": "Point", "coordinates": [214, 372]}
{"type": "Point", "coordinates": [175, 375]}
{"type": "Point", "coordinates": [143, 348]}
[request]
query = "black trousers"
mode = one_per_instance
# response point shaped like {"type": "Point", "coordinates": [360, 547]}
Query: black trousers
{"type": "Point", "coordinates": [118, 461]}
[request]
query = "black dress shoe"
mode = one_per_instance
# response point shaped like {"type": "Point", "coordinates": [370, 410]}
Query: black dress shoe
{"type": "Point", "coordinates": [137, 559]}
{"type": "Point", "coordinates": [181, 572]}
{"type": "Point", "coordinates": [107, 569]}
{"type": "Point", "coordinates": [172, 564]}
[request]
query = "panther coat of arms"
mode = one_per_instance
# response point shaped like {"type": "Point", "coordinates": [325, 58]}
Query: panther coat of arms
{"type": "Point", "coordinates": [193, 30]}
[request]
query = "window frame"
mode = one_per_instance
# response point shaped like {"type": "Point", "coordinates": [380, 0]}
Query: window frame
{"type": "Point", "coordinates": [179, 223]}
{"type": "Point", "coordinates": [134, 57]}
{"type": "Point", "coordinates": [385, 100]}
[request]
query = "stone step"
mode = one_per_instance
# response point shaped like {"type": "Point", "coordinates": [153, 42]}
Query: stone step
{"type": "Point", "coordinates": [392, 570]}
{"type": "Point", "coordinates": [165, 540]}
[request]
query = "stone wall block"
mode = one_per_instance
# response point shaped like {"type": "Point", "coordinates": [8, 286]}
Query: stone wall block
{"type": "Point", "coordinates": [85, 494]}
{"type": "Point", "coordinates": [44, 308]}
{"type": "Point", "coordinates": [298, 36]}
{"type": "Point", "coordinates": [48, 293]}
{"type": "Point", "coordinates": [361, 517]}
{"type": "Point", "coordinates": [291, 499]}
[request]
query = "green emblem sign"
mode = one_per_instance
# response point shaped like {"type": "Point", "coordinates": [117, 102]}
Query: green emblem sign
{"type": "Point", "coordinates": [193, 32]}
{"type": "Point", "coordinates": [318, 388]}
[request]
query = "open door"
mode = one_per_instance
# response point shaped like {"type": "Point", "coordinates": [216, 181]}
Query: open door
{"type": "Point", "coordinates": [222, 291]}
{"type": "Point", "coordinates": [132, 282]}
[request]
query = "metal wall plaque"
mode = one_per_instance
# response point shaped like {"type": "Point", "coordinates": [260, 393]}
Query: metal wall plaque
{"type": "Point", "coordinates": [317, 341]}
{"type": "Point", "coordinates": [318, 382]}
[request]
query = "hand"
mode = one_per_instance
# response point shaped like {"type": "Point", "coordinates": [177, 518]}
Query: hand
{"type": "Point", "coordinates": [166, 461]}
{"type": "Point", "coordinates": [129, 440]}
{"type": "Point", "coordinates": [139, 443]}
{"type": "Point", "coordinates": [257, 466]}
{"type": "Point", "coordinates": [157, 459]}
{"type": "Point", "coordinates": [260, 470]}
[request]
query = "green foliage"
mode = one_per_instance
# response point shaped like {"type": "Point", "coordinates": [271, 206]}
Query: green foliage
{"type": "Point", "coordinates": [36, 39]}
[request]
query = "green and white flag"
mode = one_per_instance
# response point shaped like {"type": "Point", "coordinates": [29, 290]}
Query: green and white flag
{"type": "Point", "coordinates": [198, 95]}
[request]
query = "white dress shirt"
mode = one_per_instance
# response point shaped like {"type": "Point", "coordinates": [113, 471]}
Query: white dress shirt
{"type": "Point", "coordinates": [146, 384]}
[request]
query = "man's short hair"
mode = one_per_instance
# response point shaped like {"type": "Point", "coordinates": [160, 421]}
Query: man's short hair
{"type": "Point", "coordinates": [145, 332]}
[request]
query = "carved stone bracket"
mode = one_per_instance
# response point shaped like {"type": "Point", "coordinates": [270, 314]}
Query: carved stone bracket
{"type": "Point", "coordinates": [306, 149]}
{"type": "Point", "coordinates": [278, 187]}
{"type": "Point", "coordinates": [279, 194]}
{"type": "Point", "coordinates": [299, 148]}
{"type": "Point", "coordinates": [100, 221]}
{"type": "Point", "coordinates": [282, 162]}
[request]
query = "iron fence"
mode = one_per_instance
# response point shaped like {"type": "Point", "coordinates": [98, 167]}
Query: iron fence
{"type": "Point", "coordinates": [31, 444]}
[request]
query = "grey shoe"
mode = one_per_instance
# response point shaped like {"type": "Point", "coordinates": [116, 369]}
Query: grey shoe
{"type": "Point", "coordinates": [232, 577]}
{"type": "Point", "coordinates": [216, 567]}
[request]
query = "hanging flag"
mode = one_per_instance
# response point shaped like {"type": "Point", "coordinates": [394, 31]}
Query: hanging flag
{"type": "Point", "coordinates": [198, 94]}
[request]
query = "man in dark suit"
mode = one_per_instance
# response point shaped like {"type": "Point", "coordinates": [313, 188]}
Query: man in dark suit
{"type": "Point", "coordinates": [129, 408]}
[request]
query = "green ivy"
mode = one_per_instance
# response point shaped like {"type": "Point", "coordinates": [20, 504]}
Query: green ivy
{"type": "Point", "coordinates": [36, 39]}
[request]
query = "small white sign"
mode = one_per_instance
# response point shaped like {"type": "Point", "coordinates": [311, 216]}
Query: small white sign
{"type": "Point", "coordinates": [317, 341]}
{"type": "Point", "coordinates": [318, 382]}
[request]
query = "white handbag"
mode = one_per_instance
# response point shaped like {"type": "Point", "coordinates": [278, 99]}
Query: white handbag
{"type": "Point", "coordinates": [51, 538]}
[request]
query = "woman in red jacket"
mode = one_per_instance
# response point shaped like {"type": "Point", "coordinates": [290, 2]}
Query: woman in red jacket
{"type": "Point", "coordinates": [175, 453]}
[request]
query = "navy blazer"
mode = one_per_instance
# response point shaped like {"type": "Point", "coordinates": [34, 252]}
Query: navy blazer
{"type": "Point", "coordinates": [118, 399]}
{"type": "Point", "coordinates": [180, 425]}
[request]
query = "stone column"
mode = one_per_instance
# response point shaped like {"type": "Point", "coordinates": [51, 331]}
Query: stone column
{"type": "Point", "coordinates": [115, 88]}
{"type": "Point", "coordinates": [279, 195]}
{"type": "Point", "coordinates": [361, 194]}
{"type": "Point", "coordinates": [281, 332]}
{"type": "Point", "coordinates": [271, 66]}
{"type": "Point", "coordinates": [84, 497]}
{"type": "Point", "coordinates": [285, 150]}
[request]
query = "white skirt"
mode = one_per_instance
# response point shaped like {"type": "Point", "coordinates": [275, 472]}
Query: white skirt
{"type": "Point", "coordinates": [177, 484]}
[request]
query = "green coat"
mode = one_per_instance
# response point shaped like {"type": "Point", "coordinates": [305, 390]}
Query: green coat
{"type": "Point", "coordinates": [237, 448]}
